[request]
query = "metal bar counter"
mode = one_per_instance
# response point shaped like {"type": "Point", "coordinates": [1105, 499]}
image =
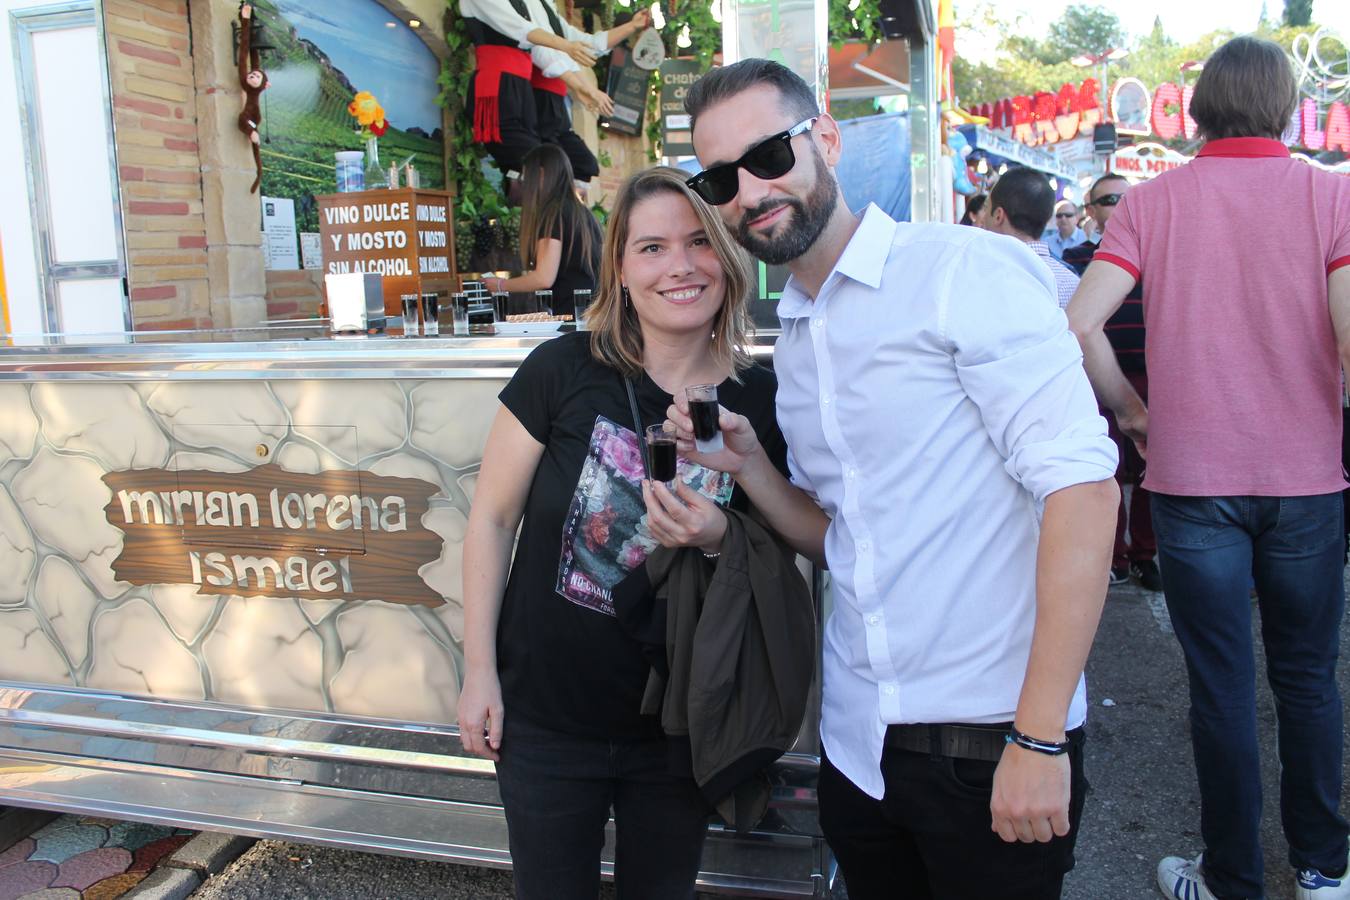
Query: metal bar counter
{"type": "Point", "coordinates": [230, 595]}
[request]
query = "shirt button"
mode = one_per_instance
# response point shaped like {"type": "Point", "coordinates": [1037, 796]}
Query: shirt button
{"type": "Point", "coordinates": [825, 401]}
{"type": "Point", "coordinates": [817, 323]}
{"type": "Point", "coordinates": [851, 473]}
{"type": "Point", "coordinates": [888, 690]}
{"type": "Point", "coordinates": [874, 620]}
{"type": "Point", "coordinates": [864, 546]}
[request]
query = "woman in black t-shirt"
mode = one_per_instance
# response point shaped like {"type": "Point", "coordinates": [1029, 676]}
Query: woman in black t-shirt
{"type": "Point", "coordinates": [559, 237]}
{"type": "Point", "coordinates": [553, 686]}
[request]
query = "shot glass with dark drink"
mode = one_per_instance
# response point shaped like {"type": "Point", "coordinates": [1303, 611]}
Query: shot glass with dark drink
{"type": "Point", "coordinates": [661, 450]}
{"type": "Point", "coordinates": [703, 409]}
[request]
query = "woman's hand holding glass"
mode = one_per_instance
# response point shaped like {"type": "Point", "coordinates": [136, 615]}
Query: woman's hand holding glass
{"type": "Point", "coordinates": [739, 441]}
{"type": "Point", "coordinates": [683, 518]}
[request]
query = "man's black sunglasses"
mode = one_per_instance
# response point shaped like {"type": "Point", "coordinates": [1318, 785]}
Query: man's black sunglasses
{"type": "Point", "coordinates": [1105, 200]}
{"type": "Point", "coordinates": [770, 158]}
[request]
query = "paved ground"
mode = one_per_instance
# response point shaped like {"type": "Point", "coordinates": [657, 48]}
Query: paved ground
{"type": "Point", "coordinates": [1143, 803]}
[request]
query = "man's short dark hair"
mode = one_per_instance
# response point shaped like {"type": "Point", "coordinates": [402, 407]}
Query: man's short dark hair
{"type": "Point", "coordinates": [1103, 179]}
{"type": "Point", "coordinates": [1026, 198]}
{"type": "Point", "coordinates": [728, 81]}
{"type": "Point", "coordinates": [1247, 89]}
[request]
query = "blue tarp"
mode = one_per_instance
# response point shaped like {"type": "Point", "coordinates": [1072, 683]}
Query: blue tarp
{"type": "Point", "coordinates": [875, 164]}
{"type": "Point", "coordinates": [874, 167]}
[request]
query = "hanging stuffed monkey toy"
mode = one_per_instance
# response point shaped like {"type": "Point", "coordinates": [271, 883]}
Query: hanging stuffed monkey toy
{"type": "Point", "coordinates": [253, 80]}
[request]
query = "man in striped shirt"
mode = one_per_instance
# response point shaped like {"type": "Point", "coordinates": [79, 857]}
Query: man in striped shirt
{"type": "Point", "coordinates": [1020, 205]}
{"type": "Point", "coordinates": [1125, 331]}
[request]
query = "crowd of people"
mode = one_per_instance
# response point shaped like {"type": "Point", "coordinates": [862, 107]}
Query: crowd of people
{"type": "Point", "coordinates": [931, 432]}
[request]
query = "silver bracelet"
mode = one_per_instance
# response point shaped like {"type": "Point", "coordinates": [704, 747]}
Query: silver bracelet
{"type": "Point", "coordinates": [707, 555]}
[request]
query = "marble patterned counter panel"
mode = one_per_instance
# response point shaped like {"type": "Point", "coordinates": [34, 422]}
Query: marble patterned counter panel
{"type": "Point", "coordinates": [65, 619]}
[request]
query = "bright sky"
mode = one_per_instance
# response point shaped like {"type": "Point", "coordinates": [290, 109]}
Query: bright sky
{"type": "Point", "coordinates": [1184, 21]}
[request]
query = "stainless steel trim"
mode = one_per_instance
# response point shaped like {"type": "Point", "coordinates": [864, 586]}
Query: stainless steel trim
{"type": "Point", "coordinates": [360, 820]}
{"type": "Point", "coordinates": [314, 355]}
{"type": "Point", "coordinates": [463, 765]}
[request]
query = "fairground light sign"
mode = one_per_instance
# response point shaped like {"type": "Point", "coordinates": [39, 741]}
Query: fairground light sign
{"type": "Point", "coordinates": [1164, 113]}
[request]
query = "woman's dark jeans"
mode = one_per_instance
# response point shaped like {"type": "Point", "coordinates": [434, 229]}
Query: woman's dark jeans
{"type": "Point", "coordinates": [1210, 548]}
{"type": "Point", "coordinates": [558, 789]}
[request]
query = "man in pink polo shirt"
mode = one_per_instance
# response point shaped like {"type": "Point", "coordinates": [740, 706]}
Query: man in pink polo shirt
{"type": "Point", "coordinates": [1244, 256]}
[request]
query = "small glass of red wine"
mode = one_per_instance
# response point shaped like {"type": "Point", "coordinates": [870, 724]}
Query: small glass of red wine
{"type": "Point", "coordinates": [703, 409]}
{"type": "Point", "coordinates": [661, 450]}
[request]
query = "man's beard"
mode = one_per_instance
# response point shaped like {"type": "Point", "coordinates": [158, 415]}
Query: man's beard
{"type": "Point", "coordinates": [807, 221]}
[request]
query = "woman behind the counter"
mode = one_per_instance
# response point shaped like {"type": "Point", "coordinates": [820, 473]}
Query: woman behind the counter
{"type": "Point", "coordinates": [553, 686]}
{"type": "Point", "coordinates": [559, 237]}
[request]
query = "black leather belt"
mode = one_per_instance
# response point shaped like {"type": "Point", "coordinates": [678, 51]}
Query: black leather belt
{"type": "Point", "coordinates": [984, 742]}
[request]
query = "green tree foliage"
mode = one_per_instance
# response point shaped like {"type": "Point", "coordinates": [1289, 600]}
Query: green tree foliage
{"type": "Point", "coordinates": [1297, 13]}
{"type": "Point", "coordinates": [1084, 29]}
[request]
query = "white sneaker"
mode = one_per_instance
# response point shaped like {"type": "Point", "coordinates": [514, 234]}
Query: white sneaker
{"type": "Point", "coordinates": [1313, 885]}
{"type": "Point", "coordinates": [1181, 879]}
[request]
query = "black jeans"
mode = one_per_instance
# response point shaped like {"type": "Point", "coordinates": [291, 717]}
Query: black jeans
{"type": "Point", "coordinates": [558, 790]}
{"type": "Point", "coordinates": [1210, 548]}
{"type": "Point", "coordinates": [929, 838]}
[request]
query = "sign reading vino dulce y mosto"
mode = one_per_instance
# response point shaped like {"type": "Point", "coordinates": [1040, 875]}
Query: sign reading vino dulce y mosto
{"type": "Point", "coordinates": [336, 535]}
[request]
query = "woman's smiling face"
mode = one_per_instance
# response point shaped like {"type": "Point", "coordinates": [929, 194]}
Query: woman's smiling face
{"type": "Point", "coordinates": [670, 267]}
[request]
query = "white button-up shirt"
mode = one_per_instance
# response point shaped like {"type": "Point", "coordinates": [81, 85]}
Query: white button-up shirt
{"type": "Point", "coordinates": [932, 397]}
{"type": "Point", "coordinates": [500, 16]}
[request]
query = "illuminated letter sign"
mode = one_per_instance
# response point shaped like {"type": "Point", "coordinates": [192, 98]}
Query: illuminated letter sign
{"type": "Point", "coordinates": [1166, 113]}
{"type": "Point", "coordinates": [1130, 106]}
{"type": "Point", "coordinates": [1338, 127]}
{"type": "Point", "coordinates": [1311, 137]}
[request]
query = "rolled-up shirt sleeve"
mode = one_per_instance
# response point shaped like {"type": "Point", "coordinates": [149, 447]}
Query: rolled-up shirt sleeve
{"type": "Point", "coordinates": [553, 63]}
{"type": "Point", "coordinates": [1023, 369]}
{"type": "Point", "coordinates": [1120, 243]}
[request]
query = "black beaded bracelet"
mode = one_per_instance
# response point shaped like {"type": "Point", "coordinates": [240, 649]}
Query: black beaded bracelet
{"type": "Point", "coordinates": [1026, 742]}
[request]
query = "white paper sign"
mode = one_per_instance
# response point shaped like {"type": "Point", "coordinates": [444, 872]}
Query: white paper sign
{"type": "Point", "coordinates": [279, 235]}
{"type": "Point", "coordinates": [311, 250]}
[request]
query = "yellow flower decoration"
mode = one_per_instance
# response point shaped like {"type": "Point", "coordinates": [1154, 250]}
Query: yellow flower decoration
{"type": "Point", "coordinates": [366, 109]}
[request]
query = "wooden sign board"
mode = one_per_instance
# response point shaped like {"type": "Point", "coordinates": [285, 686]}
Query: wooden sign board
{"type": "Point", "coordinates": [405, 234]}
{"type": "Point", "coordinates": [337, 535]}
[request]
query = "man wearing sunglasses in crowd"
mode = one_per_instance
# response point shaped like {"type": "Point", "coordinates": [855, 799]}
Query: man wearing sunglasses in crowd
{"type": "Point", "coordinates": [949, 465]}
{"type": "Point", "coordinates": [1125, 331]}
{"type": "Point", "coordinates": [1063, 232]}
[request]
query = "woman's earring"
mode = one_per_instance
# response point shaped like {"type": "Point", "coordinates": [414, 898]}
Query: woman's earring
{"type": "Point", "coordinates": [627, 298]}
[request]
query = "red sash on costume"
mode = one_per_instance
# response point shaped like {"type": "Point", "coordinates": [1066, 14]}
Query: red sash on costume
{"type": "Point", "coordinates": [494, 61]}
{"type": "Point", "coordinates": [552, 85]}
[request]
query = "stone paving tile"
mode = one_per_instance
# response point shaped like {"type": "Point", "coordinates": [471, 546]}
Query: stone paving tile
{"type": "Point", "coordinates": [18, 853]}
{"type": "Point", "coordinates": [114, 887]}
{"type": "Point", "coordinates": [25, 878]}
{"type": "Point", "coordinates": [135, 835]}
{"type": "Point", "coordinates": [79, 872]}
{"type": "Point", "coordinates": [148, 857]}
{"type": "Point", "coordinates": [65, 838]}
{"type": "Point", "coordinates": [53, 894]}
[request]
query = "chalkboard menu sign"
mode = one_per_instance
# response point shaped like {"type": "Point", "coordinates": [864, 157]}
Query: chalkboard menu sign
{"type": "Point", "coordinates": [627, 87]}
{"type": "Point", "coordinates": [677, 77]}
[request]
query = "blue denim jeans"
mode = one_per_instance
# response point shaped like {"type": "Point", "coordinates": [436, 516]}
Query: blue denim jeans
{"type": "Point", "coordinates": [558, 790]}
{"type": "Point", "coordinates": [1209, 550]}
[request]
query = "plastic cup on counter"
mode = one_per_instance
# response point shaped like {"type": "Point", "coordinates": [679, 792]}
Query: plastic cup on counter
{"type": "Point", "coordinates": [459, 313]}
{"type": "Point", "coordinates": [350, 171]}
{"type": "Point", "coordinates": [581, 301]}
{"type": "Point", "coordinates": [410, 315]}
{"type": "Point", "coordinates": [431, 314]}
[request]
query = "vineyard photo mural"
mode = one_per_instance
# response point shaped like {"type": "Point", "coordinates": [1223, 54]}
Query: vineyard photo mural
{"type": "Point", "coordinates": [323, 52]}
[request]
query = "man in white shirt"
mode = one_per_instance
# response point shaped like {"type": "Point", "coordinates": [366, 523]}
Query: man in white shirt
{"type": "Point", "coordinates": [949, 465]}
{"type": "Point", "coordinates": [1019, 206]}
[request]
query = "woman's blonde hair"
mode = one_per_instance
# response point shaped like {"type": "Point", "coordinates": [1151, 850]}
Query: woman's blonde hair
{"type": "Point", "coordinates": [616, 333]}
